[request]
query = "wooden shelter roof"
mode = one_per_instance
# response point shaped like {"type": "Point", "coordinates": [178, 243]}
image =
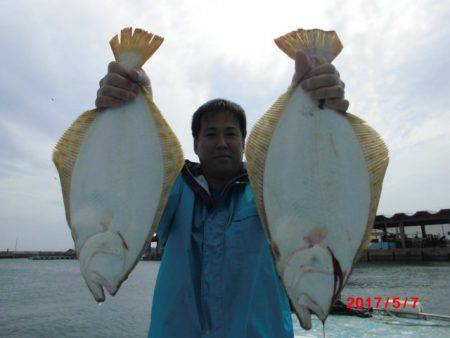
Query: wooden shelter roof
{"type": "Point", "coordinates": [418, 218]}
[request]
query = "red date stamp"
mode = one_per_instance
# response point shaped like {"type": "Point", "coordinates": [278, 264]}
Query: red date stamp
{"type": "Point", "coordinates": [381, 303]}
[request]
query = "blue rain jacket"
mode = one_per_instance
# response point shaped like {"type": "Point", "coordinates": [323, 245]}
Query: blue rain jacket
{"type": "Point", "coordinates": [217, 277]}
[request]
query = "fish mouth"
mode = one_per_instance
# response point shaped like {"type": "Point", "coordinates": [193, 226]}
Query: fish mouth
{"type": "Point", "coordinates": [301, 269]}
{"type": "Point", "coordinates": [112, 289]}
{"type": "Point", "coordinates": [304, 311]}
{"type": "Point", "coordinates": [338, 276]}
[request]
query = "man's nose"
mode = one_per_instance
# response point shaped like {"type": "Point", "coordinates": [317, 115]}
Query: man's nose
{"type": "Point", "coordinates": [221, 141]}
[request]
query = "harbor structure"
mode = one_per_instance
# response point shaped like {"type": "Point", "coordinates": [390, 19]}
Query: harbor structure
{"type": "Point", "coordinates": [391, 242]}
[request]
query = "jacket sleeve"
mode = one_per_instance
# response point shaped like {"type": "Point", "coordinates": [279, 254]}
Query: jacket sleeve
{"type": "Point", "coordinates": [165, 223]}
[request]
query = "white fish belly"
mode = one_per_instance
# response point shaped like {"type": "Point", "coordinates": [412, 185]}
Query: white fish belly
{"type": "Point", "coordinates": [116, 186]}
{"type": "Point", "coordinates": [316, 198]}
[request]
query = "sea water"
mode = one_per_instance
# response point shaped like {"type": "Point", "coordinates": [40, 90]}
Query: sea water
{"type": "Point", "coordinates": [50, 299]}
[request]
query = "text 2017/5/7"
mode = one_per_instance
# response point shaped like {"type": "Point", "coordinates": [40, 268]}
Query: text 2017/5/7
{"type": "Point", "coordinates": [380, 302]}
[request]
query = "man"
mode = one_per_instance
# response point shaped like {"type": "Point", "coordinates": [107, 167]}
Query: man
{"type": "Point", "coordinates": [217, 277]}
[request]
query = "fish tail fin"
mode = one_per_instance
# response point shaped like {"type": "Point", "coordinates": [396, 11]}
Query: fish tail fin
{"type": "Point", "coordinates": [376, 155]}
{"type": "Point", "coordinates": [324, 45]}
{"type": "Point", "coordinates": [134, 48]}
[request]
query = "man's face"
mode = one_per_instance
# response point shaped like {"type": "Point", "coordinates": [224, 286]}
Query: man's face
{"type": "Point", "coordinates": [220, 146]}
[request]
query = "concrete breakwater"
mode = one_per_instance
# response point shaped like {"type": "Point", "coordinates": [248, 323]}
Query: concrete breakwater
{"type": "Point", "coordinates": [154, 255]}
{"type": "Point", "coordinates": [69, 254]}
{"type": "Point", "coordinates": [407, 254]}
{"type": "Point", "coordinates": [394, 255]}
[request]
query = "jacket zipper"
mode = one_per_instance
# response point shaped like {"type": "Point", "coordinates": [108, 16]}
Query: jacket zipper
{"type": "Point", "coordinates": [208, 200]}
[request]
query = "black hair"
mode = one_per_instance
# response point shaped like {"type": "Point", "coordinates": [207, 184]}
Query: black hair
{"type": "Point", "coordinates": [215, 106]}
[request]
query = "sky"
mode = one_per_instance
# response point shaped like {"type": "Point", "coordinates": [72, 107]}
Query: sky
{"type": "Point", "coordinates": [53, 54]}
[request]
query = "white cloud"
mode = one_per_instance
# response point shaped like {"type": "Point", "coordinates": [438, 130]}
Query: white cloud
{"type": "Point", "coordinates": [418, 177]}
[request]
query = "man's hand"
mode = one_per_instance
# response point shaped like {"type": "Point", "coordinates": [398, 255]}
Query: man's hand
{"type": "Point", "coordinates": [322, 81]}
{"type": "Point", "coordinates": [120, 86]}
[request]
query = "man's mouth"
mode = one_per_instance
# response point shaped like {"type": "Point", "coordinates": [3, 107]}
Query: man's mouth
{"type": "Point", "coordinates": [222, 156]}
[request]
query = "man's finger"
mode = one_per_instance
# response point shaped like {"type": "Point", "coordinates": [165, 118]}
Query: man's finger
{"type": "Point", "coordinates": [326, 68]}
{"type": "Point", "coordinates": [116, 92]}
{"type": "Point", "coordinates": [116, 80]}
{"type": "Point", "coordinates": [135, 75]}
{"type": "Point", "coordinates": [139, 76]}
{"type": "Point", "coordinates": [335, 92]}
{"type": "Point", "coordinates": [340, 105]}
{"type": "Point", "coordinates": [115, 67]}
{"type": "Point", "coordinates": [303, 65]}
{"type": "Point", "coordinates": [107, 102]}
{"type": "Point", "coordinates": [324, 80]}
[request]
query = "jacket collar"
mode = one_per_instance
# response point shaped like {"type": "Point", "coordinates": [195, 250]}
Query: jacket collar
{"type": "Point", "coordinates": [192, 172]}
{"type": "Point", "coordinates": [195, 170]}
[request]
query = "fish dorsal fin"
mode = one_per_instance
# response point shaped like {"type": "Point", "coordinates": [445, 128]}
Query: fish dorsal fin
{"type": "Point", "coordinates": [376, 154]}
{"type": "Point", "coordinates": [65, 155]}
{"type": "Point", "coordinates": [134, 48]}
{"type": "Point", "coordinates": [316, 43]}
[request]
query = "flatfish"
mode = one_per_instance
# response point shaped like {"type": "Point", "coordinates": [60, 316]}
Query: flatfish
{"type": "Point", "coordinates": [116, 168]}
{"type": "Point", "coordinates": [317, 176]}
